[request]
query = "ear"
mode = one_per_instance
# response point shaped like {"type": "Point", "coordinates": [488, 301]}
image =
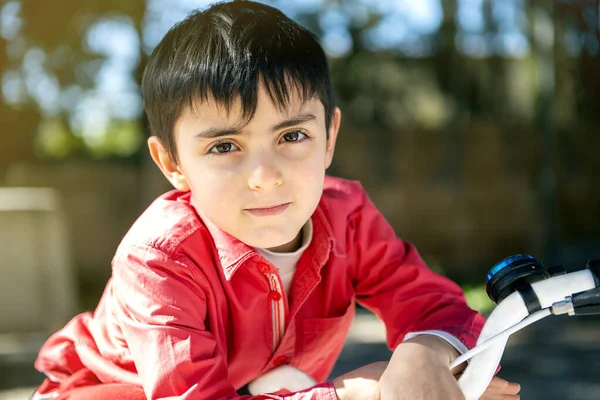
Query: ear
{"type": "Point", "coordinates": [333, 133]}
{"type": "Point", "coordinates": [169, 167]}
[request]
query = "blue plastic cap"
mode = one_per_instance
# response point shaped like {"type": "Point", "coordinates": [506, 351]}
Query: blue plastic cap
{"type": "Point", "coordinates": [506, 262]}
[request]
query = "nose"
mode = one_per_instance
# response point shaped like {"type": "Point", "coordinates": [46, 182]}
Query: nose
{"type": "Point", "coordinates": [264, 176]}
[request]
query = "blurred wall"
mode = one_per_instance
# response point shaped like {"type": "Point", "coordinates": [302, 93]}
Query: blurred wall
{"type": "Point", "coordinates": [101, 201]}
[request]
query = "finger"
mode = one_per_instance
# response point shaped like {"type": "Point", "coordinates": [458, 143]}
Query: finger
{"type": "Point", "coordinates": [512, 388]}
{"type": "Point", "coordinates": [511, 391]}
{"type": "Point", "coordinates": [498, 382]}
{"type": "Point", "coordinates": [508, 388]}
{"type": "Point", "coordinates": [499, 385]}
{"type": "Point", "coordinates": [496, 392]}
{"type": "Point", "coordinates": [500, 397]}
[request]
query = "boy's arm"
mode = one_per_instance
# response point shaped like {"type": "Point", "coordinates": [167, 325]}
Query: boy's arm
{"type": "Point", "coordinates": [161, 308]}
{"type": "Point", "coordinates": [392, 280]}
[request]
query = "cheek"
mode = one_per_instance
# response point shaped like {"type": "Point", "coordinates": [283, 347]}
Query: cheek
{"type": "Point", "coordinates": [307, 155]}
{"type": "Point", "coordinates": [211, 186]}
{"type": "Point", "coordinates": [310, 177]}
{"type": "Point", "coordinates": [216, 200]}
{"type": "Point", "coordinates": [219, 188]}
{"type": "Point", "coordinates": [307, 167]}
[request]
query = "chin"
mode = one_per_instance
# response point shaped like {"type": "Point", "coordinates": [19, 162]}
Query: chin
{"type": "Point", "coordinates": [266, 241]}
{"type": "Point", "coordinates": [267, 244]}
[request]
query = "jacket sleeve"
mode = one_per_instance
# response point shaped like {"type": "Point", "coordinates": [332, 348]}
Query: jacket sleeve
{"type": "Point", "coordinates": [393, 281]}
{"type": "Point", "coordinates": [161, 308]}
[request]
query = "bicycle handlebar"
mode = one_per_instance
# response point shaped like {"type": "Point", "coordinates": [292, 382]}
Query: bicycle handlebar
{"type": "Point", "coordinates": [522, 287]}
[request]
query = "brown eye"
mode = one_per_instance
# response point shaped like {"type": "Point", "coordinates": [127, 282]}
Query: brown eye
{"type": "Point", "coordinates": [223, 148]}
{"type": "Point", "coordinates": [294, 136]}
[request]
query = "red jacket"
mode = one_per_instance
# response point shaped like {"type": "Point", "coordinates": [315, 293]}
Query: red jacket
{"type": "Point", "coordinates": [191, 311]}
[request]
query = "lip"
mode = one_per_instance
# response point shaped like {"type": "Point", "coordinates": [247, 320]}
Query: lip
{"type": "Point", "coordinates": [268, 211]}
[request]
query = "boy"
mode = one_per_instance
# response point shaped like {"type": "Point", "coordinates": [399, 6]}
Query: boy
{"type": "Point", "coordinates": [250, 269]}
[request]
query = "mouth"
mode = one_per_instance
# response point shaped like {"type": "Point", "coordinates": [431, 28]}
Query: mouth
{"type": "Point", "coordinates": [268, 211]}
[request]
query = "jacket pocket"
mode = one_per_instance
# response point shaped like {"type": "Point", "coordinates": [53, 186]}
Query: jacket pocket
{"type": "Point", "coordinates": [323, 338]}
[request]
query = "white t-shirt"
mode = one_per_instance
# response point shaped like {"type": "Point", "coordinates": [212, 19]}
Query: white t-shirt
{"type": "Point", "coordinates": [286, 262]}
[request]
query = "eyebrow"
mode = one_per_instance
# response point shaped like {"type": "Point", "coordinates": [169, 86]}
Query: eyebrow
{"type": "Point", "coordinates": [296, 120]}
{"type": "Point", "coordinates": [213, 133]}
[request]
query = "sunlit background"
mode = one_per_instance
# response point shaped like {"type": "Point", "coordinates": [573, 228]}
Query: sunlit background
{"type": "Point", "coordinates": [473, 124]}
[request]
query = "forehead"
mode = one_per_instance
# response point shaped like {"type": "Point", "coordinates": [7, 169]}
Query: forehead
{"type": "Point", "coordinates": [266, 108]}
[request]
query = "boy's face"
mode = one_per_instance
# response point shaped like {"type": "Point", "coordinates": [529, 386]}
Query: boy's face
{"type": "Point", "coordinates": [260, 181]}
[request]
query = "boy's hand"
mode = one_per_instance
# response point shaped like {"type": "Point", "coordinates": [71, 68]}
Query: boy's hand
{"type": "Point", "coordinates": [360, 384]}
{"type": "Point", "coordinates": [418, 370]}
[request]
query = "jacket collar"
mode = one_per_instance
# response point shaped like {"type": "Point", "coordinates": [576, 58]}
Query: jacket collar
{"type": "Point", "coordinates": [233, 253]}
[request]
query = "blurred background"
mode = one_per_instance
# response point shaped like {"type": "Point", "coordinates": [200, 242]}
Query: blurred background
{"type": "Point", "coordinates": [473, 124]}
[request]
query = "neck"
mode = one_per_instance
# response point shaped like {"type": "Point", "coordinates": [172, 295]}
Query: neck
{"type": "Point", "coordinates": [290, 246]}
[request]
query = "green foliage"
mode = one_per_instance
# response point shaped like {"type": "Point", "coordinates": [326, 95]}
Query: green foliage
{"type": "Point", "coordinates": [47, 64]}
{"type": "Point", "coordinates": [477, 298]}
{"type": "Point", "coordinates": [54, 140]}
{"type": "Point", "coordinates": [122, 139]}
{"type": "Point", "coordinates": [379, 85]}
